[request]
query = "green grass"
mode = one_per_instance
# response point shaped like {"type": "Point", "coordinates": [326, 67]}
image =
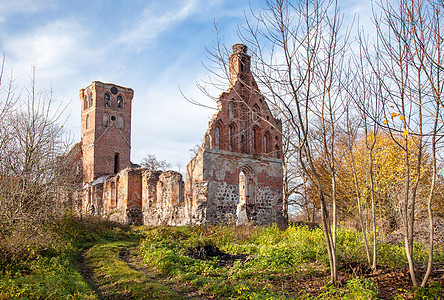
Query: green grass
{"type": "Point", "coordinates": [276, 265]}
{"type": "Point", "coordinates": [274, 257]}
{"type": "Point", "coordinates": [116, 280]}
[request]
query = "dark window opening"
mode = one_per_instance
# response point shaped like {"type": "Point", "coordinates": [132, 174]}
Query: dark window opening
{"type": "Point", "coordinates": [119, 102]}
{"type": "Point", "coordinates": [113, 118]}
{"type": "Point", "coordinates": [107, 100]}
{"type": "Point", "coordinates": [116, 163]}
{"type": "Point", "coordinates": [91, 99]}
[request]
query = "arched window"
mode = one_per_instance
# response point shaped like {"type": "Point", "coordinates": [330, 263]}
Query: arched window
{"type": "Point", "coordinates": [87, 121]}
{"type": "Point", "coordinates": [265, 143]}
{"type": "Point", "coordinates": [90, 99]}
{"type": "Point", "coordinates": [231, 133]}
{"type": "Point", "coordinates": [116, 163]}
{"type": "Point", "coordinates": [217, 138]}
{"type": "Point", "coordinates": [119, 101]}
{"type": "Point", "coordinates": [241, 211]}
{"type": "Point", "coordinates": [85, 102]}
{"type": "Point", "coordinates": [256, 140]}
{"type": "Point", "coordinates": [256, 112]}
{"type": "Point", "coordinates": [231, 110]}
{"type": "Point", "coordinates": [107, 100]}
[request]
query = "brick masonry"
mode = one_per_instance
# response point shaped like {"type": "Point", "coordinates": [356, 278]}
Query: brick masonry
{"type": "Point", "coordinates": [235, 176]}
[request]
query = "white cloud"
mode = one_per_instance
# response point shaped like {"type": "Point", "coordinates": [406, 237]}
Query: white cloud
{"type": "Point", "coordinates": [55, 48]}
{"type": "Point", "coordinates": [153, 21]}
{"type": "Point", "coordinates": [10, 8]}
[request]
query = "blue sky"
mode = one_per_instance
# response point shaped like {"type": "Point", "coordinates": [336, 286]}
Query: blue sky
{"type": "Point", "coordinates": [151, 46]}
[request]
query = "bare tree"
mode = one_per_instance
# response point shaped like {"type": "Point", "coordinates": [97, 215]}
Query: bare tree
{"type": "Point", "coordinates": [151, 162]}
{"type": "Point", "coordinates": [32, 140]}
{"type": "Point", "coordinates": [411, 77]}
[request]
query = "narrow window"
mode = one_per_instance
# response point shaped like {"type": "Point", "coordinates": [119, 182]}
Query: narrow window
{"type": "Point", "coordinates": [87, 122]}
{"type": "Point", "coordinates": [265, 144]}
{"type": "Point", "coordinates": [230, 138]}
{"type": "Point", "coordinates": [241, 211]}
{"type": "Point", "coordinates": [243, 64]}
{"type": "Point", "coordinates": [116, 163]}
{"type": "Point", "coordinates": [85, 103]}
{"type": "Point", "coordinates": [113, 194]}
{"type": "Point", "coordinates": [256, 112]}
{"type": "Point", "coordinates": [217, 138]}
{"type": "Point", "coordinates": [256, 140]}
{"type": "Point", "coordinates": [231, 110]}
{"type": "Point", "coordinates": [90, 99]}
{"type": "Point", "coordinates": [119, 102]}
{"type": "Point", "coordinates": [107, 100]}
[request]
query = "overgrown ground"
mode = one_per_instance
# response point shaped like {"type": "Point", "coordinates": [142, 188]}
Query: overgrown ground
{"type": "Point", "coordinates": [100, 260]}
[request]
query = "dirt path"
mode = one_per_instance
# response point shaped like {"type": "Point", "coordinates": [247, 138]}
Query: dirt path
{"type": "Point", "coordinates": [86, 273]}
{"type": "Point", "coordinates": [135, 261]}
{"type": "Point", "coordinates": [105, 274]}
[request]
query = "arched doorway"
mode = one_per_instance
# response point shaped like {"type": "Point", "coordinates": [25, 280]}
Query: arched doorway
{"type": "Point", "coordinates": [245, 196]}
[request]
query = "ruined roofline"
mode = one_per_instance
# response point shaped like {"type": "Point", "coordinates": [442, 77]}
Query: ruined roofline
{"type": "Point", "coordinates": [108, 85]}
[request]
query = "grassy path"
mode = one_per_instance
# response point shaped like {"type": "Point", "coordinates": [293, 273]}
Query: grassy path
{"type": "Point", "coordinates": [115, 271]}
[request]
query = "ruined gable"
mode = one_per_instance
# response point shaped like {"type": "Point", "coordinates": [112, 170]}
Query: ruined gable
{"type": "Point", "coordinates": [240, 160]}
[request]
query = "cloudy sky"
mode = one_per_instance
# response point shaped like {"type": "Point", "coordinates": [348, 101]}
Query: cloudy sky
{"type": "Point", "coordinates": [152, 46]}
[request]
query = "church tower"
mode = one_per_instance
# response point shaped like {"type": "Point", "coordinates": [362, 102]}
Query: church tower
{"type": "Point", "coordinates": [106, 129]}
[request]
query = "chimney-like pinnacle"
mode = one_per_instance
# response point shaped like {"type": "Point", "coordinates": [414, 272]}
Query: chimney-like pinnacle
{"type": "Point", "coordinates": [239, 49]}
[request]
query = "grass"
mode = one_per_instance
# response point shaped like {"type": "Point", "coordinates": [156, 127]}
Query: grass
{"type": "Point", "coordinates": [116, 280]}
{"type": "Point", "coordinates": [270, 264]}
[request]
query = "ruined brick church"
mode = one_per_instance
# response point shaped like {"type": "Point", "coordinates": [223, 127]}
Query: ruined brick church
{"type": "Point", "coordinates": [236, 174]}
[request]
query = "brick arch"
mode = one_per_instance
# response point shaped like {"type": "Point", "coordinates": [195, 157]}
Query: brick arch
{"type": "Point", "coordinates": [232, 138]}
{"type": "Point", "coordinates": [266, 142]}
{"type": "Point", "coordinates": [218, 136]}
{"type": "Point", "coordinates": [246, 191]}
{"type": "Point", "coordinates": [257, 140]}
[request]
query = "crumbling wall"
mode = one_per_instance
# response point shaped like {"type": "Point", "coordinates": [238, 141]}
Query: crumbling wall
{"type": "Point", "coordinates": [196, 190]}
{"type": "Point", "coordinates": [122, 197]}
{"type": "Point", "coordinates": [163, 198]}
{"type": "Point", "coordinates": [263, 186]}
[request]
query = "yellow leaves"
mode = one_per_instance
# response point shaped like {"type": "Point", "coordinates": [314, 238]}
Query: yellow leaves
{"type": "Point", "coordinates": [393, 114]}
{"type": "Point", "coordinates": [401, 117]}
{"type": "Point", "coordinates": [406, 132]}
{"type": "Point", "coordinates": [385, 122]}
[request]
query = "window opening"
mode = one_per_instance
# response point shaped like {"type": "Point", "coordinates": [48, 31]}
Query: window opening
{"type": "Point", "coordinates": [116, 163]}
{"type": "Point", "coordinates": [231, 110]}
{"type": "Point", "coordinates": [107, 100]}
{"type": "Point", "coordinates": [265, 143]}
{"type": "Point", "coordinates": [241, 211]}
{"type": "Point", "coordinates": [230, 137]}
{"type": "Point", "coordinates": [119, 102]}
{"type": "Point", "coordinates": [217, 138]}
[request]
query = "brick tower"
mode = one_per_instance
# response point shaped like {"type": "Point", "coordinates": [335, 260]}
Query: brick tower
{"type": "Point", "coordinates": [106, 129]}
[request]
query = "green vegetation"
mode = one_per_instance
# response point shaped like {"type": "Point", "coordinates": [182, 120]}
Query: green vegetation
{"type": "Point", "coordinates": [92, 259]}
